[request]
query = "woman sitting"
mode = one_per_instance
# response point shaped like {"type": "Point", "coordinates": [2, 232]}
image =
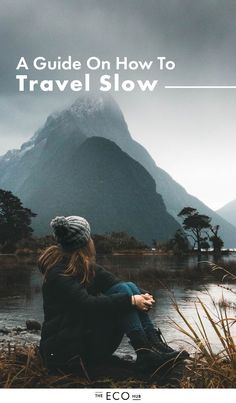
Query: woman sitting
{"type": "Point", "coordinates": [87, 310]}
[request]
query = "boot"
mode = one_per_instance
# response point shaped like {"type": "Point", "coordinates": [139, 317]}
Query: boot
{"type": "Point", "coordinates": [147, 358]}
{"type": "Point", "coordinates": [159, 344]}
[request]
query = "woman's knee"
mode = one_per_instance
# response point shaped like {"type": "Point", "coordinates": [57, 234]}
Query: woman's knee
{"type": "Point", "coordinates": [133, 287]}
{"type": "Point", "coordinates": [119, 287]}
{"type": "Point", "coordinates": [124, 287]}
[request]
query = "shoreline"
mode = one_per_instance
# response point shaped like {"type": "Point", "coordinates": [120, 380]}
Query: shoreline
{"type": "Point", "coordinates": [131, 252]}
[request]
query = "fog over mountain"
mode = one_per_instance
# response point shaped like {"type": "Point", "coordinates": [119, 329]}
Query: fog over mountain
{"type": "Point", "coordinates": [48, 168]}
{"type": "Point", "coordinates": [66, 170]}
{"type": "Point", "coordinates": [228, 212]}
{"type": "Point", "coordinates": [198, 35]}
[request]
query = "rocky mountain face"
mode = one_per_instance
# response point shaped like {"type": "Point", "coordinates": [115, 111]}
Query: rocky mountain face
{"type": "Point", "coordinates": [108, 121]}
{"type": "Point", "coordinates": [60, 171]}
{"type": "Point", "coordinates": [28, 171]}
{"type": "Point", "coordinates": [228, 212]}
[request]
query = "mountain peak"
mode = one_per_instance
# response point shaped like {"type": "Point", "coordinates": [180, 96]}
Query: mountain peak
{"type": "Point", "coordinates": [89, 105]}
{"type": "Point", "coordinates": [90, 114]}
{"type": "Point", "coordinates": [67, 130]}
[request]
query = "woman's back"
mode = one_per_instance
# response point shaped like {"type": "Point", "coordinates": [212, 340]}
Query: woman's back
{"type": "Point", "coordinates": [69, 308]}
{"type": "Point", "coordinates": [87, 309]}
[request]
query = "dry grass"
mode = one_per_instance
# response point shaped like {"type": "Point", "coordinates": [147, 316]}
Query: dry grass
{"type": "Point", "coordinates": [209, 368]}
{"type": "Point", "coordinates": [224, 303]}
{"type": "Point", "coordinates": [21, 367]}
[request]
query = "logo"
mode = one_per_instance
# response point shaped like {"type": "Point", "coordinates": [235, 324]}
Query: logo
{"type": "Point", "coordinates": [118, 396]}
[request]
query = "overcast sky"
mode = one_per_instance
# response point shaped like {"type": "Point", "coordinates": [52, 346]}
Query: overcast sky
{"type": "Point", "coordinates": [189, 133]}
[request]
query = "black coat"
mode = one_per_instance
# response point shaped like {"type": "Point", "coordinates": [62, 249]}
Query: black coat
{"type": "Point", "coordinates": [69, 307]}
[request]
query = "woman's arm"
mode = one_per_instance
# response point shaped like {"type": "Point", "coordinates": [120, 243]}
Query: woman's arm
{"type": "Point", "coordinates": [76, 295]}
{"type": "Point", "coordinates": [104, 279]}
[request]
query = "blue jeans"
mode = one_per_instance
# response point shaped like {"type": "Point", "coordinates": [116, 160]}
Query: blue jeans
{"type": "Point", "coordinates": [134, 320]}
{"type": "Point", "coordinates": [106, 333]}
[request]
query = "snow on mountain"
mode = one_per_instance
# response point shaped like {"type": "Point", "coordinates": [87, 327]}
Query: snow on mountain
{"type": "Point", "coordinates": [100, 116]}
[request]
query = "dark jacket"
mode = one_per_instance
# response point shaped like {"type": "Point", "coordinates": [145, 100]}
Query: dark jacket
{"type": "Point", "coordinates": [67, 307]}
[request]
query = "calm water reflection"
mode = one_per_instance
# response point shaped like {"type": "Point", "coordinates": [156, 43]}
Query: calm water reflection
{"type": "Point", "coordinates": [20, 294]}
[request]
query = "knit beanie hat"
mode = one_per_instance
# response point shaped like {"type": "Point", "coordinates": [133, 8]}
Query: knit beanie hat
{"type": "Point", "coordinates": [71, 232]}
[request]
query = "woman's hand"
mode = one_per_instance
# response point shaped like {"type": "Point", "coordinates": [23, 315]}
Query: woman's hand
{"type": "Point", "coordinates": [143, 302]}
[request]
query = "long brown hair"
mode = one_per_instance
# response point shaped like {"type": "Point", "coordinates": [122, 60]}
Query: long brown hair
{"type": "Point", "coordinates": [79, 262]}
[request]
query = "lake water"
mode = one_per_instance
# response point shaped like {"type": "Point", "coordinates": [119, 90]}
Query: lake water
{"type": "Point", "coordinates": [21, 299]}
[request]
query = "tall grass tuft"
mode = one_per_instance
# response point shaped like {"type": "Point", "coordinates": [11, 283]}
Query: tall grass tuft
{"type": "Point", "coordinates": [210, 367]}
{"type": "Point", "coordinates": [22, 367]}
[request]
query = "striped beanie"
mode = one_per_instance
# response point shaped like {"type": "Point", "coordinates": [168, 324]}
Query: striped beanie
{"type": "Point", "coordinates": [71, 232]}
